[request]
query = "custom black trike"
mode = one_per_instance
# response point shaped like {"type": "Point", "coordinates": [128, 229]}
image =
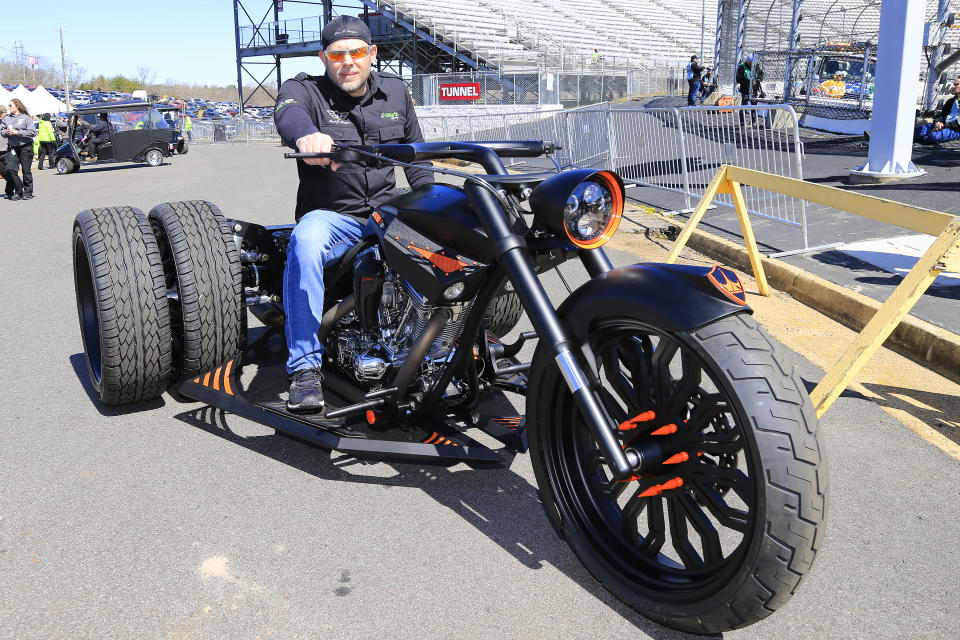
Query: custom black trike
{"type": "Point", "coordinates": [672, 440]}
{"type": "Point", "coordinates": [138, 133]}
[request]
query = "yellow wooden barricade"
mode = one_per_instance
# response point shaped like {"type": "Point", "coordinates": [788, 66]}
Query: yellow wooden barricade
{"type": "Point", "coordinates": [943, 255]}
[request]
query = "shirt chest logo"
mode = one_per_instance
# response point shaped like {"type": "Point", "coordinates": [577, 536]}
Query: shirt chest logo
{"type": "Point", "coordinates": [337, 117]}
{"type": "Point", "coordinates": [393, 116]}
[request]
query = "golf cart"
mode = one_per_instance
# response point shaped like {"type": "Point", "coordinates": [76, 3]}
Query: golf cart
{"type": "Point", "coordinates": [171, 115]}
{"type": "Point", "coordinates": [138, 133]}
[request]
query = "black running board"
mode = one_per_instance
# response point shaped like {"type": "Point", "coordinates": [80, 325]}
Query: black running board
{"type": "Point", "coordinates": [221, 389]}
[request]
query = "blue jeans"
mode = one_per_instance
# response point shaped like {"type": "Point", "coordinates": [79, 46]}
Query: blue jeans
{"type": "Point", "coordinates": [693, 96]}
{"type": "Point", "coordinates": [319, 239]}
{"type": "Point", "coordinates": [926, 135]}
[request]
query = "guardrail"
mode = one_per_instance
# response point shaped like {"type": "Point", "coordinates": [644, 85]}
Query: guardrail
{"type": "Point", "coordinates": [943, 255]}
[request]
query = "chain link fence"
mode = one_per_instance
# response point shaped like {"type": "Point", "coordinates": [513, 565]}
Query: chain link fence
{"type": "Point", "coordinates": [835, 82]}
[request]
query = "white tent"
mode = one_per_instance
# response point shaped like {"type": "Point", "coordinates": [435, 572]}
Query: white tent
{"type": "Point", "coordinates": [42, 102]}
{"type": "Point", "coordinates": [4, 97]}
{"type": "Point", "coordinates": [21, 93]}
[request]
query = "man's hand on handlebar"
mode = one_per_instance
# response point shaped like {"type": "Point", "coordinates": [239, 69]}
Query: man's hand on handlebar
{"type": "Point", "coordinates": [317, 143]}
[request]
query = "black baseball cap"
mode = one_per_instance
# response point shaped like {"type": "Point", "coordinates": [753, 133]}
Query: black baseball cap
{"type": "Point", "coordinates": [345, 28]}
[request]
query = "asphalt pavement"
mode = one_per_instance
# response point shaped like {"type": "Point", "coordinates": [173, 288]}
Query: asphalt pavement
{"type": "Point", "coordinates": [173, 520]}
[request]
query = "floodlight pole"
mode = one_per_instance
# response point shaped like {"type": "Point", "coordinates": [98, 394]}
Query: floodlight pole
{"type": "Point", "coordinates": [236, 35]}
{"type": "Point", "coordinates": [63, 65]}
{"type": "Point", "coordinates": [895, 95]}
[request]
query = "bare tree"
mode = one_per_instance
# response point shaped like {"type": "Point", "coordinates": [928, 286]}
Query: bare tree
{"type": "Point", "coordinates": [145, 74]}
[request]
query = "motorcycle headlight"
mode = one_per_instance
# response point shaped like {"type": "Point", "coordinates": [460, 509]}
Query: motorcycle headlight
{"type": "Point", "coordinates": [586, 205]}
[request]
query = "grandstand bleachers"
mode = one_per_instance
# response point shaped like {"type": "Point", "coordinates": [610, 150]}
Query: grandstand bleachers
{"type": "Point", "coordinates": [522, 34]}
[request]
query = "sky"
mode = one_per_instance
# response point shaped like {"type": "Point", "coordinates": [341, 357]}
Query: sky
{"type": "Point", "coordinates": [189, 41]}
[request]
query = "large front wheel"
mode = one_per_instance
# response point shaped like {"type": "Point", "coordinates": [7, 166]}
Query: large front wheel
{"type": "Point", "coordinates": [722, 531]}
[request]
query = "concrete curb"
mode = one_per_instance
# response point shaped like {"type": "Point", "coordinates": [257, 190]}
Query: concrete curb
{"type": "Point", "coordinates": [928, 345]}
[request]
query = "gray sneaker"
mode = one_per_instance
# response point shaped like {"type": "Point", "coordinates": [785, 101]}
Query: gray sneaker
{"type": "Point", "coordinates": [306, 391]}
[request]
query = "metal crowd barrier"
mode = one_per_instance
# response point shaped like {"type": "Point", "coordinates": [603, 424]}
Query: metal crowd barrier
{"type": "Point", "coordinates": [234, 130]}
{"type": "Point", "coordinates": [676, 150]}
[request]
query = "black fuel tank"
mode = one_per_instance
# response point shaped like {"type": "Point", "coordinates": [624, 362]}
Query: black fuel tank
{"type": "Point", "coordinates": [442, 212]}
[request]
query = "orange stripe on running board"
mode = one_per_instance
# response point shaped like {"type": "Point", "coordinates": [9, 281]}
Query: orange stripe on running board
{"type": "Point", "coordinates": [226, 378]}
{"type": "Point", "coordinates": [216, 379]}
{"type": "Point", "coordinates": [206, 380]}
{"type": "Point", "coordinates": [430, 439]}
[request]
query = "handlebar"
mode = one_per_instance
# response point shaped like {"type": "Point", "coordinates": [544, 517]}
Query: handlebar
{"type": "Point", "coordinates": [487, 154]}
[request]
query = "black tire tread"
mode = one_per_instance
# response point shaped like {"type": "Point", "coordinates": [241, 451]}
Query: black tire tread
{"type": "Point", "coordinates": [794, 465]}
{"type": "Point", "coordinates": [785, 426]}
{"type": "Point", "coordinates": [131, 303]}
{"type": "Point", "coordinates": [503, 313]}
{"type": "Point", "coordinates": [208, 280]}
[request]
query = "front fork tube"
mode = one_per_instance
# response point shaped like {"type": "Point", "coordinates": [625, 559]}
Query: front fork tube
{"type": "Point", "coordinates": [511, 251]}
{"type": "Point", "coordinates": [595, 261]}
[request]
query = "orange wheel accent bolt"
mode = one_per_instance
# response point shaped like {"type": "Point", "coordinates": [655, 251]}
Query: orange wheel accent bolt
{"type": "Point", "coordinates": [657, 489]}
{"type": "Point", "coordinates": [665, 430]}
{"type": "Point", "coordinates": [634, 422]}
{"type": "Point", "coordinates": [677, 458]}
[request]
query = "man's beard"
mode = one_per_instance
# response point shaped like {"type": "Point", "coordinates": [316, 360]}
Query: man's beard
{"type": "Point", "coordinates": [352, 85]}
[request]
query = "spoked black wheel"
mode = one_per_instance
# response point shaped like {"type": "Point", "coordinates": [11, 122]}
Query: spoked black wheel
{"type": "Point", "coordinates": [721, 530]}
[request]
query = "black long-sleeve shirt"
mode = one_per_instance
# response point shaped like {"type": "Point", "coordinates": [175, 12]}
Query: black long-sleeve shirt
{"type": "Point", "coordinates": [945, 114]}
{"type": "Point", "coordinates": [385, 113]}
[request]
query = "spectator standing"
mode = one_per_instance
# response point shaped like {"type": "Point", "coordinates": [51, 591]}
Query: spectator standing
{"type": "Point", "coordinates": [707, 84]}
{"type": "Point", "coordinates": [694, 70]}
{"type": "Point", "coordinates": [350, 103]}
{"type": "Point", "coordinates": [748, 79]}
{"type": "Point", "coordinates": [5, 158]}
{"type": "Point", "coordinates": [19, 131]}
{"type": "Point", "coordinates": [188, 127]}
{"type": "Point", "coordinates": [596, 57]}
{"type": "Point", "coordinates": [48, 142]}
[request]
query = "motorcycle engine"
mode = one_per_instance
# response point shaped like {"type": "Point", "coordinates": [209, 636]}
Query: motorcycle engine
{"type": "Point", "coordinates": [389, 317]}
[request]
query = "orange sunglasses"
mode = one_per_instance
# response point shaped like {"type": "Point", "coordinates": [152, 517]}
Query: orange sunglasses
{"type": "Point", "coordinates": [338, 56]}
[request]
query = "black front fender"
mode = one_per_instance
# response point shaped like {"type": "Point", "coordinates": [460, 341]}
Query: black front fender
{"type": "Point", "coordinates": [669, 296]}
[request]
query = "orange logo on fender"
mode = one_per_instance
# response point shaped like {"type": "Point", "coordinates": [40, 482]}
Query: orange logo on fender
{"type": "Point", "coordinates": [728, 283]}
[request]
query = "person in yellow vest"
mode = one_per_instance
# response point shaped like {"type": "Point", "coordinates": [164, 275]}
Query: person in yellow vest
{"type": "Point", "coordinates": [141, 123]}
{"type": "Point", "coordinates": [47, 139]}
{"type": "Point", "coordinates": [188, 127]}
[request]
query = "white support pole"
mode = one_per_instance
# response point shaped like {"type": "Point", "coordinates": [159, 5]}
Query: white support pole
{"type": "Point", "coordinates": [895, 96]}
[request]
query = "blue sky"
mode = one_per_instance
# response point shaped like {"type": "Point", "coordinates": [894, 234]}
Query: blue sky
{"type": "Point", "coordinates": [189, 41]}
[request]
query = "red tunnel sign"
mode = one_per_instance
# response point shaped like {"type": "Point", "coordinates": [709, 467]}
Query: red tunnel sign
{"type": "Point", "coordinates": [462, 91]}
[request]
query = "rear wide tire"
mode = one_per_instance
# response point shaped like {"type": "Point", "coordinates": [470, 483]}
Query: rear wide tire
{"type": "Point", "coordinates": [122, 304]}
{"type": "Point", "coordinates": [200, 262]}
